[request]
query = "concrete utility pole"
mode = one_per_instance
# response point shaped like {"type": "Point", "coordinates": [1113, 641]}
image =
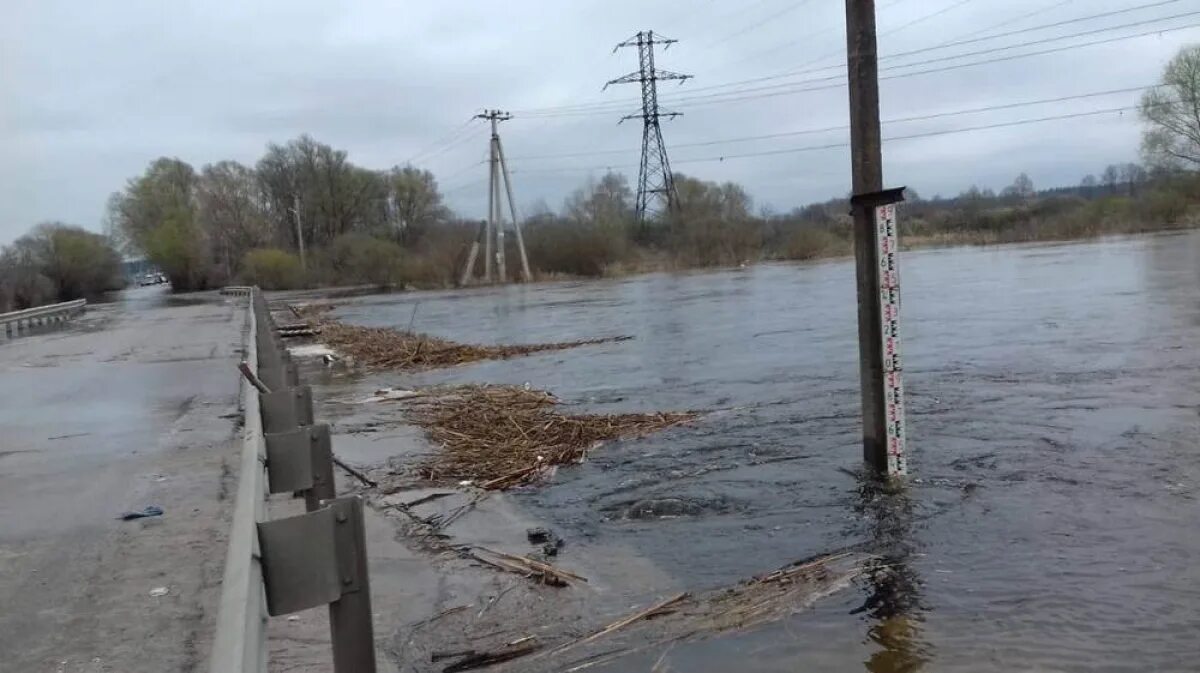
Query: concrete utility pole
{"type": "Point", "coordinates": [494, 224]}
{"type": "Point", "coordinates": [488, 260]}
{"type": "Point", "coordinates": [874, 253]}
{"type": "Point", "coordinates": [512, 208]}
{"type": "Point", "coordinates": [299, 231]}
{"type": "Point", "coordinates": [473, 254]}
{"type": "Point", "coordinates": [495, 216]}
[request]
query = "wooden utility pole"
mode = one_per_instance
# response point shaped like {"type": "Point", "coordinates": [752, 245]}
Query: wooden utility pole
{"type": "Point", "coordinates": [874, 251]}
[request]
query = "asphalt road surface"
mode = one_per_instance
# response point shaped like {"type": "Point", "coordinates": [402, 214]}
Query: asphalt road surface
{"type": "Point", "coordinates": [134, 404]}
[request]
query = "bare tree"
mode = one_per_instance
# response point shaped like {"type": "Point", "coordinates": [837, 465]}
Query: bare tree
{"type": "Point", "coordinates": [1021, 188]}
{"type": "Point", "coordinates": [233, 210]}
{"type": "Point", "coordinates": [1132, 176]}
{"type": "Point", "coordinates": [606, 204]}
{"type": "Point", "coordinates": [714, 224]}
{"type": "Point", "coordinates": [1172, 111]}
{"type": "Point", "coordinates": [416, 204]}
{"type": "Point", "coordinates": [335, 197]}
{"type": "Point", "coordinates": [1111, 178]}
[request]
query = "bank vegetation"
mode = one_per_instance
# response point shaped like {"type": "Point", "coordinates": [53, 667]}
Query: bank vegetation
{"type": "Point", "coordinates": [304, 215]}
{"type": "Point", "coordinates": [57, 262]}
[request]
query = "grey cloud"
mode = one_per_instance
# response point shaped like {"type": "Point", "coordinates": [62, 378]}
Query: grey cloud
{"type": "Point", "coordinates": [90, 92]}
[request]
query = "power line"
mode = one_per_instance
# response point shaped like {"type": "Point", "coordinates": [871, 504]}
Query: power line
{"type": "Point", "coordinates": [824, 30]}
{"type": "Point", "coordinates": [813, 148]}
{"type": "Point", "coordinates": [449, 137]}
{"type": "Point", "coordinates": [790, 8]}
{"type": "Point", "coordinates": [927, 134]}
{"type": "Point", "coordinates": [473, 183]}
{"type": "Point", "coordinates": [694, 91]}
{"type": "Point", "coordinates": [789, 88]}
{"type": "Point", "coordinates": [898, 120]}
{"type": "Point", "coordinates": [1018, 19]}
{"type": "Point", "coordinates": [944, 45]}
{"type": "Point", "coordinates": [464, 169]}
{"type": "Point", "coordinates": [924, 18]}
{"type": "Point", "coordinates": [957, 43]}
{"type": "Point", "coordinates": [469, 137]}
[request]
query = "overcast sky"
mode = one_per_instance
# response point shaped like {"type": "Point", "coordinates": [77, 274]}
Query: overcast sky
{"type": "Point", "coordinates": [90, 92]}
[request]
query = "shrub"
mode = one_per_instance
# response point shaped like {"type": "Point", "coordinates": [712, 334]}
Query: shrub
{"type": "Point", "coordinates": [272, 269]}
{"type": "Point", "coordinates": [1163, 206]}
{"type": "Point", "coordinates": [441, 254]}
{"type": "Point", "coordinates": [57, 262]}
{"type": "Point", "coordinates": [353, 259]}
{"type": "Point", "coordinates": [574, 249]}
{"type": "Point", "coordinates": [813, 242]}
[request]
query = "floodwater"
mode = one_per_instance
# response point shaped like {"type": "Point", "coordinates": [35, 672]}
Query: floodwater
{"type": "Point", "coordinates": [1050, 521]}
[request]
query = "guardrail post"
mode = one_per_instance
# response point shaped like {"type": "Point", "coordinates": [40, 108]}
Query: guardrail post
{"type": "Point", "coordinates": [270, 367]}
{"type": "Point", "coordinates": [302, 460]}
{"type": "Point", "coordinates": [350, 625]}
{"type": "Point", "coordinates": [286, 409]}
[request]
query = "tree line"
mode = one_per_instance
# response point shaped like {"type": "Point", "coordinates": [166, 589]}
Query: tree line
{"type": "Point", "coordinates": [57, 262]}
{"type": "Point", "coordinates": [305, 215]}
{"type": "Point", "coordinates": [227, 221]}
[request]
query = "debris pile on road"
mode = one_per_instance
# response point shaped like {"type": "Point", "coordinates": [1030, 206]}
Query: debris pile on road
{"type": "Point", "coordinates": [402, 349]}
{"type": "Point", "coordinates": [497, 437]}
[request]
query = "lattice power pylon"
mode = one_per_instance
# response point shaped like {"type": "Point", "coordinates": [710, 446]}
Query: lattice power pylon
{"type": "Point", "coordinates": [656, 185]}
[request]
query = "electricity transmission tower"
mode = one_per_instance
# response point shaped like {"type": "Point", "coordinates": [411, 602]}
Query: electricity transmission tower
{"type": "Point", "coordinates": [656, 186]}
{"type": "Point", "coordinates": [492, 230]}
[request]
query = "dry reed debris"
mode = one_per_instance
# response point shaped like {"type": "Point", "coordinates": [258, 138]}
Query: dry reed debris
{"type": "Point", "coordinates": [403, 349]}
{"type": "Point", "coordinates": [498, 436]}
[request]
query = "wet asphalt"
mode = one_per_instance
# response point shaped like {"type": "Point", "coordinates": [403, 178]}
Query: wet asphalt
{"type": "Point", "coordinates": [133, 404]}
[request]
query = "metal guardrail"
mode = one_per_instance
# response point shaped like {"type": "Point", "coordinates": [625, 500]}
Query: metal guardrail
{"type": "Point", "coordinates": [280, 566]}
{"type": "Point", "coordinates": [10, 323]}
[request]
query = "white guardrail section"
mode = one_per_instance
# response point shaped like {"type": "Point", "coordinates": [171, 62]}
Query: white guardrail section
{"type": "Point", "coordinates": [240, 644]}
{"type": "Point", "coordinates": [11, 323]}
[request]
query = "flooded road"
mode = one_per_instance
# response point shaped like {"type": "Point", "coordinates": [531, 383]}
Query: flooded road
{"type": "Point", "coordinates": [1053, 392]}
{"type": "Point", "coordinates": [129, 405]}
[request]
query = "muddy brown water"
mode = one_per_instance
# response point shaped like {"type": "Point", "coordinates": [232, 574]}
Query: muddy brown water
{"type": "Point", "coordinates": [1049, 523]}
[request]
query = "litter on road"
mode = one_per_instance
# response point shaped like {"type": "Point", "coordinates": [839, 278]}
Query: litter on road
{"type": "Point", "coordinates": [149, 511]}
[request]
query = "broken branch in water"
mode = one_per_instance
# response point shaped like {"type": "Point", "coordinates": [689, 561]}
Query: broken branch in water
{"type": "Point", "coordinates": [424, 499]}
{"type": "Point", "coordinates": [536, 565]}
{"type": "Point", "coordinates": [355, 473]}
{"type": "Point", "coordinates": [444, 522]}
{"type": "Point", "coordinates": [528, 567]}
{"type": "Point", "coordinates": [653, 610]}
{"type": "Point", "coordinates": [749, 603]}
{"type": "Point", "coordinates": [481, 659]}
